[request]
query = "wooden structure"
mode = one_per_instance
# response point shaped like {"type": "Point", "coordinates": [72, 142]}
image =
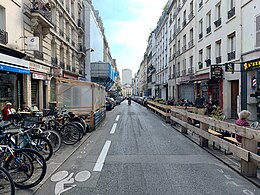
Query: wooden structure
{"type": "Point", "coordinates": [246, 151]}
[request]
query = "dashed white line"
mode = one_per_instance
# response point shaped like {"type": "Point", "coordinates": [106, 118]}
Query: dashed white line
{"type": "Point", "coordinates": [113, 128]}
{"type": "Point", "coordinates": [164, 125]}
{"type": "Point", "coordinates": [101, 159]}
{"type": "Point", "coordinates": [117, 117]}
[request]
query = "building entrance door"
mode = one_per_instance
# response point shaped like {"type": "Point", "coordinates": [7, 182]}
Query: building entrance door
{"type": "Point", "coordinates": [234, 94]}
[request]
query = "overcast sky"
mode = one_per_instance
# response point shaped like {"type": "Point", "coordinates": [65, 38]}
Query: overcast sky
{"type": "Point", "coordinates": [128, 24]}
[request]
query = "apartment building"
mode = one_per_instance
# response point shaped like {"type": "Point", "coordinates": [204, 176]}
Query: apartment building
{"type": "Point", "coordinates": [181, 50]}
{"type": "Point", "coordinates": [151, 78]}
{"type": "Point", "coordinates": [161, 63]}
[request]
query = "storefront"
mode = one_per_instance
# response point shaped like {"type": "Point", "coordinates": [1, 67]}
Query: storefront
{"type": "Point", "coordinates": [12, 71]}
{"type": "Point", "coordinates": [39, 85]}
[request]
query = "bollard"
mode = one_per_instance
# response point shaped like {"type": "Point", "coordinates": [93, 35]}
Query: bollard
{"type": "Point", "coordinates": [184, 129]}
{"type": "Point", "coordinates": [249, 169]}
{"type": "Point", "coordinates": [204, 142]}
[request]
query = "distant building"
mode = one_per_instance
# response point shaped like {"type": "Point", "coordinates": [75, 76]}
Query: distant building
{"type": "Point", "coordinates": [126, 77]}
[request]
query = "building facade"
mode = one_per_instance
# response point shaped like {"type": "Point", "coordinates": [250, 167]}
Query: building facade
{"type": "Point", "coordinates": [126, 76]}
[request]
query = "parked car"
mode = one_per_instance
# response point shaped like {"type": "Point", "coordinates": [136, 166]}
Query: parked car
{"type": "Point", "coordinates": [109, 103]}
{"type": "Point", "coordinates": [119, 99]}
{"type": "Point", "coordinates": [145, 100]}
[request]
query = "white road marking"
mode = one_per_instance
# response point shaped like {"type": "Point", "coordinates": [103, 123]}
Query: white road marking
{"type": "Point", "coordinates": [117, 117]}
{"type": "Point", "coordinates": [113, 128]}
{"type": "Point", "coordinates": [101, 159]}
{"type": "Point", "coordinates": [82, 176]}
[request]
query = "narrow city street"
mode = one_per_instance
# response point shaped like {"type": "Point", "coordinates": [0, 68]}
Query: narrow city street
{"type": "Point", "coordinates": [142, 155]}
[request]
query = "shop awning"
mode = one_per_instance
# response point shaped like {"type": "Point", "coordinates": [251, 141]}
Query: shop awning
{"type": "Point", "coordinates": [11, 68]}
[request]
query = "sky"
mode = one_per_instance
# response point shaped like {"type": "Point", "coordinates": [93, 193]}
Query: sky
{"type": "Point", "coordinates": [128, 24]}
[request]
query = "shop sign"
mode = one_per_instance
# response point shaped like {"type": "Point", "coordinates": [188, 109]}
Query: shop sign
{"type": "Point", "coordinates": [251, 65]}
{"type": "Point", "coordinates": [38, 76]}
{"type": "Point", "coordinates": [229, 67]}
{"type": "Point", "coordinates": [216, 72]}
{"type": "Point", "coordinates": [39, 68]}
{"type": "Point", "coordinates": [33, 43]}
{"type": "Point", "coordinates": [57, 72]}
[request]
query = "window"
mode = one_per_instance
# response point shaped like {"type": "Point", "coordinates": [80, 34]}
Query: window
{"type": "Point", "coordinates": [218, 15]}
{"type": "Point", "coordinates": [179, 24]}
{"type": "Point", "coordinates": [258, 31]}
{"type": "Point", "coordinates": [191, 34]}
{"type": "Point", "coordinates": [208, 59]}
{"type": "Point", "coordinates": [191, 11]}
{"type": "Point", "coordinates": [208, 22]}
{"type": "Point", "coordinates": [3, 33]}
{"type": "Point", "coordinates": [200, 3]}
{"type": "Point", "coordinates": [200, 59]}
{"type": "Point", "coordinates": [184, 41]}
{"type": "Point", "coordinates": [184, 19]}
{"type": "Point", "coordinates": [232, 10]}
{"type": "Point", "coordinates": [232, 46]}
{"type": "Point", "coordinates": [200, 29]}
{"type": "Point", "coordinates": [179, 46]}
{"type": "Point", "coordinates": [184, 68]}
{"type": "Point", "coordinates": [218, 52]}
{"type": "Point", "coordinates": [191, 65]}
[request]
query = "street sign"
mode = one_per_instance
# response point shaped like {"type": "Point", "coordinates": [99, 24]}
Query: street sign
{"type": "Point", "coordinates": [216, 72]}
{"type": "Point", "coordinates": [33, 43]}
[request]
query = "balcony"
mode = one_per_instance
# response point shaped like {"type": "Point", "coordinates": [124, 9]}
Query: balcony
{"type": "Point", "coordinates": [217, 22]}
{"type": "Point", "coordinates": [62, 2]}
{"type": "Point", "coordinates": [62, 64]}
{"type": "Point", "coordinates": [81, 25]}
{"type": "Point", "coordinates": [54, 61]}
{"type": "Point", "coordinates": [40, 15]}
{"type": "Point", "coordinates": [191, 43]}
{"type": "Point", "coordinates": [184, 48]}
{"type": "Point", "coordinates": [178, 53]}
{"type": "Point", "coordinates": [178, 30]}
{"type": "Point", "coordinates": [231, 55]}
{"type": "Point", "coordinates": [38, 55]}
{"type": "Point", "coordinates": [208, 29]}
{"type": "Point", "coordinates": [200, 64]}
{"type": "Point", "coordinates": [177, 74]}
{"type": "Point", "coordinates": [218, 59]}
{"type": "Point", "coordinates": [61, 33]}
{"type": "Point", "coordinates": [68, 67]}
{"type": "Point", "coordinates": [73, 69]}
{"type": "Point", "coordinates": [200, 36]}
{"type": "Point", "coordinates": [191, 15]}
{"type": "Point", "coordinates": [190, 71]}
{"type": "Point", "coordinates": [3, 37]}
{"type": "Point", "coordinates": [231, 13]}
{"type": "Point", "coordinates": [184, 23]}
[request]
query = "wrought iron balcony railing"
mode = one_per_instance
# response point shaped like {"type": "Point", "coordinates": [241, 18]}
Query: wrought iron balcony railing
{"type": "Point", "coordinates": [217, 22]}
{"type": "Point", "coordinates": [191, 43]}
{"type": "Point", "coordinates": [231, 55]}
{"type": "Point", "coordinates": [200, 36]}
{"type": "Point", "coordinates": [3, 37]}
{"type": "Point", "coordinates": [208, 29]}
{"type": "Point", "coordinates": [200, 64]}
{"type": "Point", "coordinates": [38, 55]}
{"type": "Point", "coordinates": [218, 59]}
{"type": "Point", "coordinates": [231, 12]}
{"type": "Point", "coordinates": [190, 16]}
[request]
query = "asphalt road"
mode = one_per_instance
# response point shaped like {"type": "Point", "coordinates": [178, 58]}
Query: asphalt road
{"type": "Point", "coordinates": [134, 152]}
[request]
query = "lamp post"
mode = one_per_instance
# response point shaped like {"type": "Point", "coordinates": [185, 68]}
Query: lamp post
{"type": "Point", "coordinates": [87, 60]}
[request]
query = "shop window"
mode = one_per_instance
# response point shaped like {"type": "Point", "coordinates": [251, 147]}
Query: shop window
{"type": "Point", "coordinates": [7, 89]}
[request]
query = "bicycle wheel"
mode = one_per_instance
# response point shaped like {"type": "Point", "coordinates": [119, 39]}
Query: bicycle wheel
{"type": "Point", "coordinates": [42, 145]}
{"type": "Point", "coordinates": [27, 168]}
{"type": "Point", "coordinates": [54, 139]}
{"type": "Point", "coordinates": [80, 127]}
{"type": "Point", "coordinates": [6, 182]}
{"type": "Point", "coordinates": [82, 122]}
{"type": "Point", "coordinates": [70, 134]}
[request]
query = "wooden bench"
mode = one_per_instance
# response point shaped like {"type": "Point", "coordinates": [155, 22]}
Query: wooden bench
{"type": "Point", "coordinates": [216, 134]}
{"type": "Point", "coordinates": [232, 140]}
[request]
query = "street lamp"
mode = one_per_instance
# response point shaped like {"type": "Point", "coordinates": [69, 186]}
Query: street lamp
{"type": "Point", "coordinates": [88, 62]}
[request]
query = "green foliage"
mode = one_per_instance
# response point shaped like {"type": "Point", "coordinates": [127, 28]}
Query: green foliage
{"type": "Point", "coordinates": [217, 113]}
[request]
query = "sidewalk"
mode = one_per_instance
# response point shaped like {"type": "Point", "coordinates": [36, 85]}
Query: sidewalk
{"type": "Point", "coordinates": [54, 163]}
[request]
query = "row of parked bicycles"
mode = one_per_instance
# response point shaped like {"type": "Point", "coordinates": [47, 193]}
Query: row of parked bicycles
{"type": "Point", "coordinates": [28, 141]}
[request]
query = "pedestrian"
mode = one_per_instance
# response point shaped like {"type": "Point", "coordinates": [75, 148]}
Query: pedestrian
{"type": "Point", "coordinates": [199, 102]}
{"type": "Point", "coordinates": [242, 121]}
{"type": "Point", "coordinates": [6, 111]}
{"type": "Point", "coordinates": [25, 108]}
